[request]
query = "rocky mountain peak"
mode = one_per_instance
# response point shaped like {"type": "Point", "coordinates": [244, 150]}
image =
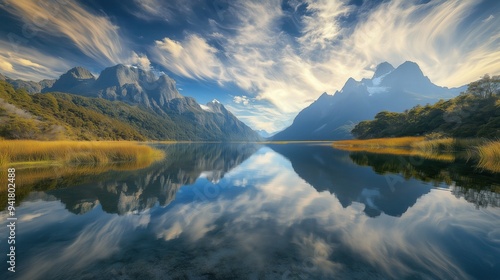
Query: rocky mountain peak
{"type": "Point", "coordinates": [409, 69]}
{"type": "Point", "coordinates": [382, 69]}
{"type": "Point", "coordinates": [78, 73]}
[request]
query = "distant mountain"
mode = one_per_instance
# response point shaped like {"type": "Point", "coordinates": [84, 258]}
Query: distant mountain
{"type": "Point", "coordinates": [332, 117]}
{"type": "Point", "coordinates": [473, 114]}
{"type": "Point", "coordinates": [264, 133]}
{"type": "Point", "coordinates": [169, 114]}
{"type": "Point", "coordinates": [29, 86]}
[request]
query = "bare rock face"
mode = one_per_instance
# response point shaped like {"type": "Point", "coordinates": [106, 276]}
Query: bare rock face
{"type": "Point", "coordinates": [77, 80]}
{"type": "Point", "coordinates": [123, 83]}
{"type": "Point", "coordinates": [158, 94]}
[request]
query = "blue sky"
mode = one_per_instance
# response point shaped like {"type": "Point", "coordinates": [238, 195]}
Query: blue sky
{"type": "Point", "coordinates": [264, 60]}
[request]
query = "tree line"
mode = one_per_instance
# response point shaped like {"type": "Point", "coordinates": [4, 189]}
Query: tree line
{"type": "Point", "coordinates": [474, 113]}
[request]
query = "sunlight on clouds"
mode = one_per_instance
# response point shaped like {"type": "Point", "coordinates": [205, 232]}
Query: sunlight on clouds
{"type": "Point", "coordinates": [291, 72]}
{"type": "Point", "coordinates": [29, 64]}
{"type": "Point", "coordinates": [322, 27]}
{"type": "Point", "coordinates": [241, 100]}
{"type": "Point", "coordinates": [94, 35]}
{"type": "Point", "coordinates": [5, 65]}
{"type": "Point", "coordinates": [266, 118]}
{"type": "Point", "coordinates": [449, 50]}
{"type": "Point", "coordinates": [193, 58]}
{"type": "Point", "coordinates": [249, 44]}
{"type": "Point", "coordinates": [140, 60]}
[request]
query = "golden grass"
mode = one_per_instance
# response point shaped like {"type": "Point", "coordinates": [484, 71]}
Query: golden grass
{"type": "Point", "coordinates": [399, 151]}
{"type": "Point", "coordinates": [75, 152]}
{"type": "Point", "coordinates": [447, 144]}
{"type": "Point", "coordinates": [486, 152]}
{"type": "Point", "coordinates": [379, 142]}
{"type": "Point", "coordinates": [489, 156]}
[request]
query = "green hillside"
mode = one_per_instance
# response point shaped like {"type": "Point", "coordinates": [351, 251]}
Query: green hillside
{"type": "Point", "coordinates": [64, 116]}
{"type": "Point", "coordinates": [475, 113]}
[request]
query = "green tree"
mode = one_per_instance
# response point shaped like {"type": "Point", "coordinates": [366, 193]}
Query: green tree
{"type": "Point", "coordinates": [485, 87]}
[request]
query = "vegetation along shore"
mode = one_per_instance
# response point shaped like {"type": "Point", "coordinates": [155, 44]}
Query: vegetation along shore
{"type": "Point", "coordinates": [22, 152]}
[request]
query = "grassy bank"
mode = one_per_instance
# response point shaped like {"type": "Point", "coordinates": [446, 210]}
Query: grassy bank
{"type": "Point", "coordinates": [15, 152]}
{"type": "Point", "coordinates": [485, 152]}
{"type": "Point", "coordinates": [489, 156]}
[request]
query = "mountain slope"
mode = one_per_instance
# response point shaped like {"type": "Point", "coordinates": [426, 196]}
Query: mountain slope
{"type": "Point", "coordinates": [159, 110]}
{"type": "Point", "coordinates": [468, 115]}
{"type": "Point", "coordinates": [29, 86]}
{"type": "Point", "coordinates": [56, 116]}
{"type": "Point", "coordinates": [332, 117]}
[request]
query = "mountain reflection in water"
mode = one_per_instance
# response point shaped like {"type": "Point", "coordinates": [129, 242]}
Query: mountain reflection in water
{"type": "Point", "coordinates": [229, 211]}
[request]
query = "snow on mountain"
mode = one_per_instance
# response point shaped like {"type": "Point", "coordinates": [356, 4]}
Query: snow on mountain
{"type": "Point", "coordinates": [332, 117]}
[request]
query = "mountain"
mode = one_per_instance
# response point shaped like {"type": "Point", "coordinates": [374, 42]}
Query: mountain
{"type": "Point", "coordinates": [326, 169]}
{"type": "Point", "coordinates": [119, 83]}
{"type": "Point", "coordinates": [473, 114]}
{"type": "Point", "coordinates": [29, 86]}
{"type": "Point", "coordinates": [332, 117]}
{"type": "Point", "coordinates": [149, 104]}
{"type": "Point", "coordinates": [263, 133]}
{"type": "Point", "coordinates": [77, 80]}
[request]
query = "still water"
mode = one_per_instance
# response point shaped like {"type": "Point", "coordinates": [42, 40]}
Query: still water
{"type": "Point", "coordinates": [238, 211]}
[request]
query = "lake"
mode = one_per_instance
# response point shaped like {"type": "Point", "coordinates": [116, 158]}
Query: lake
{"type": "Point", "coordinates": [244, 211]}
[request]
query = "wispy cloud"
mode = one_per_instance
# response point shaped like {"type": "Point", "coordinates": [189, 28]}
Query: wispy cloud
{"type": "Point", "coordinates": [94, 35]}
{"type": "Point", "coordinates": [451, 48]}
{"type": "Point", "coordinates": [243, 99]}
{"type": "Point", "coordinates": [290, 71]}
{"type": "Point", "coordinates": [193, 58]}
{"type": "Point", "coordinates": [322, 26]}
{"type": "Point", "coordinates": [161, 10]}
{"type": "Point", "coordinates": [29, 64]}
{"type": "Point", "coordinates": [281, 69]}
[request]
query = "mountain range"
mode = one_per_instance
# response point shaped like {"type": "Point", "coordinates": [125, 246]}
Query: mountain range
{"type": "Point", "coordinates": [173, 116]}
{"type": "Point", "coordinates": [332, 117]}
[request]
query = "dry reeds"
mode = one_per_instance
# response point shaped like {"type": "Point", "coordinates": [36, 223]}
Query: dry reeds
{"type": "Point", "coordinates": [74, 152]}
{"type": "Point", "coordinates": [401, 142]}
{"type": "Point", "coordinates": [489, 156]}
{"type": "Point", "coordinates": [486, 152]}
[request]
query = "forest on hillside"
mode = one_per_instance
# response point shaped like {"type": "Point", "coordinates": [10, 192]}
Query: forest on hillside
{"type": "Point", "coordinates": [56, 116]}
{"type": "Point", "coordinates": [474, 113]}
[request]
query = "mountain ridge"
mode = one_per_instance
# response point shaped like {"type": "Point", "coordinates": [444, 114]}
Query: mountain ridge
{"type": "Point", "coordinates": [156, 95]}
{"type": "Point", "coordinates": [331, 117]}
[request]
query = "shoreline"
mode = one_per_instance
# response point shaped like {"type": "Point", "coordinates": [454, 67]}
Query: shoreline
{"type": "Point", "coordinates": [485, 152]}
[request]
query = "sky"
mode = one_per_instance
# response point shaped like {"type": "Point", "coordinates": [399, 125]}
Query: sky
{"type": "Point", "coordinates": [264, 60]}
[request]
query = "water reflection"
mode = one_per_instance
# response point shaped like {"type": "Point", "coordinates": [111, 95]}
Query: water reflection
{"type": "Point", "coordinates": [248, 212]}
{"type": "Point", "coordinates": [132, 192]}
{"type": "Point", "coordinates": [327, 169]}
{"type": "Point", "coordinates": [480, 187]}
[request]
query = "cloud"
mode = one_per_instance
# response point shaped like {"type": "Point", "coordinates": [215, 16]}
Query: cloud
{"type": "Point", "coordinates": [141, 60]}
{"type": "Point", "coordinates": [29, 64]}
{"type": "Point", "coordinates": [241, 99]}
{"type": "Point", "coordinates": [192, 57]}
{"type": "Point", "coordinates": [290, 72]}
{"type": "Point", "coordinates": [491, 17]}
{"type": "Point", "coordinates": [322, 26]}
{"type": "Point", "coordinates": [6, 66]}
{"type": "Point", "coordinates": [94, 35]}
{"type": "Point", "coordinates": [449, 46]}
{"type": "Point", "coordinates": [282, 69]}
{"type": "Point", "coordinates": [162, 10]}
